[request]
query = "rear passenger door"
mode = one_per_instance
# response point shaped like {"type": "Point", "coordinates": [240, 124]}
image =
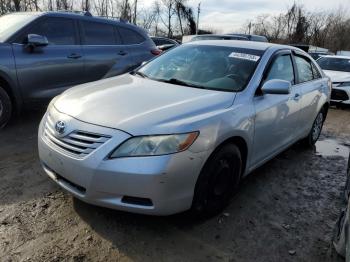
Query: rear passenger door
{"type": "Point", "coordinates": [311, 84]}
{"type": "Point", "coordinates": [136, 45]}
{"type": "Point", "coordinates": [105, 56]}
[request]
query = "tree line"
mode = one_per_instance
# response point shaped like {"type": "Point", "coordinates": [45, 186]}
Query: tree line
{"type": "Point", "coordinates": [329, 29]}
{"type": "Point", "coordinates": [175, 18]}
{"type": "Point", "coordinates": [163, 17]}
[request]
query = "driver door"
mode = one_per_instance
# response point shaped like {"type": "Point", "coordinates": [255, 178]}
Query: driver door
{"type": "Point", "coordinates": [276, 116]}
{"type": "Point", "coordinates": [44, 72]}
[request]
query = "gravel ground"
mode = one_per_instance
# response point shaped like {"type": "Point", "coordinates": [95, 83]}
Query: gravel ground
{"type": "Point", "coordinates": [285, 210]}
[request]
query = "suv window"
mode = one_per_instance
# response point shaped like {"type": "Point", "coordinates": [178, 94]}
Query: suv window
{"type": "Point", "coordinates": [52, 28]}
{"type": "Point", "coordinates": [99, 34]}
{"type": "Point", "coordinates": [130, 37]}
{"type": "Point", "coordinates": [304, 69]}
{"type": "Point", "coordinates": [282, 68]}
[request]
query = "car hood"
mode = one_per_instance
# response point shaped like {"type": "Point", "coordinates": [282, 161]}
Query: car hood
{"type": "Point", "coordinates": [338, 76]}
{"type": "Point", "coordinates": [142, 106]}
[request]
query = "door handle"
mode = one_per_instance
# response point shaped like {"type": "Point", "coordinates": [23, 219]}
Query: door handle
{"type": "Point", "coordinates": [74, 56]}
{"type": "Point", "coordinates": [122, 53]}
{"type": "Point", "coordinates": [296, 97]}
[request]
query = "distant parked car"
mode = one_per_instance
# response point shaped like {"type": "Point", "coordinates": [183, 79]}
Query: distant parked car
{"type": "Point", "coordinates": [164, 43]}
{"type": "Point", "coordinates": [43, 54]}
{"type": "Point", "coordinates": [180, 132]}
{"type": "Point", "coordinates": [338, 69]}
{"type": "Point", "coordinates": [217, 37]}
{"type": "Point", "coordinates": [256, 38]}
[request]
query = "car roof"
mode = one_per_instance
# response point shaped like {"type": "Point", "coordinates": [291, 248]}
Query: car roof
{"type": "Point", "coordinates": [337, 56]}
{"type": "Point", "coordinates": [220, 35]}
{"type": "Point", "coordinates": [243, 44]}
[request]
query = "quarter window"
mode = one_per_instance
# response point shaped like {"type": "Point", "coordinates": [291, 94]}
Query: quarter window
{"type": "Point", "coordinates": [130, 37]}
{"type": "Point", "coordinates": [58, 31]}
{"type": "Point", "coordinates": [282, 68]}
{"type": "Point", "coordinates": [99, 34]}
{"type": "Point", "coordinates": [315, 71]}
{"type": "Point", "coordinates": [304, 69]}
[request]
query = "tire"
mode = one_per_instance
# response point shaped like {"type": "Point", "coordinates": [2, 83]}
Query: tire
{"type": "Point", "coordinates": [5, 108]}
{"type": "Point", "coordinates": [316, 129]}
{"type": "Point", "coordinates": [217, 182]}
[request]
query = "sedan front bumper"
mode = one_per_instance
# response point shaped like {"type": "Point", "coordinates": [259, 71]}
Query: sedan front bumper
{"type": "Point", "coordinates": [157, 185]}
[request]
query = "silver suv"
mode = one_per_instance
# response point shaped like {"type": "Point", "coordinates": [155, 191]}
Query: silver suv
{"type": "Point", "coordinates": [183, 130]}
{"type": "Point", "coordinates": [43, 54]}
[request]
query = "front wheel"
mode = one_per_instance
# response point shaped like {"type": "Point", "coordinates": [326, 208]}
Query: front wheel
{"type": "Point", "coordinates": [218, 181]}
{"type": "Point", "coordinates": [316, 129]}
{"type": "Point", "coordinates": [5, 108]}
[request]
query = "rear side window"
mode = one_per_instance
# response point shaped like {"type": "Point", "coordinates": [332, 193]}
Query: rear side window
{"type": "Point", "coordinates": [52, 28]}
{"type": "Point", "coordinates": [130, 37]}
{"type": "Point", "coordinates": [99, 34]}
{"type": "Point", "coordinates": [282, 68]}
{"type": "Point", "coordinates": [304, 69]}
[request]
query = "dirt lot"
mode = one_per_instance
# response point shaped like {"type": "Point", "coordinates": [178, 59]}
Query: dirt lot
{"type": "Point", "coordinates": [285, 211]}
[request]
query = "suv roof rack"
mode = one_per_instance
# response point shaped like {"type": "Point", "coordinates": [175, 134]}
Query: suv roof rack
{"type": "Point", "coordinates": [113, 18]}
{"type": "Point", "coordinates": [84, 13]}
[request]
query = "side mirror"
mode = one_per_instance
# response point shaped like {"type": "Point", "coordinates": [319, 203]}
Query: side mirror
{"type": "Point", "coordinates": [36, 40]}
{"type": "Point", "coordinates": [276, 87]}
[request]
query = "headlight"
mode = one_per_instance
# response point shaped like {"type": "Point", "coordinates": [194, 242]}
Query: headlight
{"type": "Point", "coordinates": [344, 84]}
{"type": "Point", "coordinates": [154, 145]}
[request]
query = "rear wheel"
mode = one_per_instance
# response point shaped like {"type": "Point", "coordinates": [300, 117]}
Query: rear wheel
{"type": "Point", "coordinates": [217, 182]}
{"type": "Point", "coordinates": [5, 107]}
{"type": "Point", "coordinates": [316, 129]}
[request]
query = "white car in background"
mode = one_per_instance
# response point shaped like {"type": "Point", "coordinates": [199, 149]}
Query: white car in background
{"type": "Point", "coordinates": [338, 69]}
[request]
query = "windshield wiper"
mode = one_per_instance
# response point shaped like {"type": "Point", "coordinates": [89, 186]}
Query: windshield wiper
{"type": "Point", "coordinates": [139, 73]}
{"type": "Point", "coordinates": [176, 81]}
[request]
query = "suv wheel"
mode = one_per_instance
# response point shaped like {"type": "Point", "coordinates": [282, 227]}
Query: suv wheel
{"type": "Point", "coordinates": [218, 181]}
{"type": "Point", "coordinates": [5, 108]}
{"type": "Point", "coordinates": [316, 129]}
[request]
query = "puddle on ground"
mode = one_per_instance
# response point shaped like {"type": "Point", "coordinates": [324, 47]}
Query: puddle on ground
{"type": "Point", "coordinates": [331, 147]}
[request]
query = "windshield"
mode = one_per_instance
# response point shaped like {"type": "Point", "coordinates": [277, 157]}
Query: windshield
{"type": "Point", "coordinates": [204, 66]}
{"type": "Point", "coordinates": [10, 24]}
{"type": "Point", "coordinates": [334, 64]}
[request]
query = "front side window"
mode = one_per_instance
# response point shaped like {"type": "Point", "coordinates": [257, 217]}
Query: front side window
{"type": "Point", "coordinates": [282, 68]}
{"type": "Point", "coordinates": [58, 31]}
{"type": "Point", "coordinates": [130, 37]}
{"type": "Point", "coordinates": [304, 69]}
{"type": "Point", "coordinates": [99, 34]}
{"type": "Point", "coordinates": [334, 64]}
{"type": "Point", "coordinates": [204, 66]}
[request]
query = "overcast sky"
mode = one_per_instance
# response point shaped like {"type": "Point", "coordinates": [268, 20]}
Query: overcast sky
{"type": "Point", "coordinates": [229, 15]}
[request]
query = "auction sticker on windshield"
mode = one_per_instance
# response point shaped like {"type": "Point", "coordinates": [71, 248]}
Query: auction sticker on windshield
{"type": "Point", "coordinates": [244, 56]}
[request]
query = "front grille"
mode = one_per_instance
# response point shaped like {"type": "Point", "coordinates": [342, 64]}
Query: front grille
{"type": "Point", "coordinates": [339, 95]}
{"type": "Point", "coordinates": [78, 143]}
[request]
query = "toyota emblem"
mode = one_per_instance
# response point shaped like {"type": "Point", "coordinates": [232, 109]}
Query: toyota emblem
{"type": "Point", "coordinates": [60, 127]}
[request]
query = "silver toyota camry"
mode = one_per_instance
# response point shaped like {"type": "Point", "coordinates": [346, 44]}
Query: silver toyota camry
{"type": "Point", "coordinates": [180, 132]}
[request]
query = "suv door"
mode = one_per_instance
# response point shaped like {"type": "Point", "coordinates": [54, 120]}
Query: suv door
{"type": "Point", "coordinates": [276, 116]}
{"type": "Point", "coordinates": [44, 72]}
{"type": "Point", "coordinates": [136, 45]}
{"type": "Point", "coordinates": [105, 56]}
{"type": "Point", "coordinates": [311, 84]}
